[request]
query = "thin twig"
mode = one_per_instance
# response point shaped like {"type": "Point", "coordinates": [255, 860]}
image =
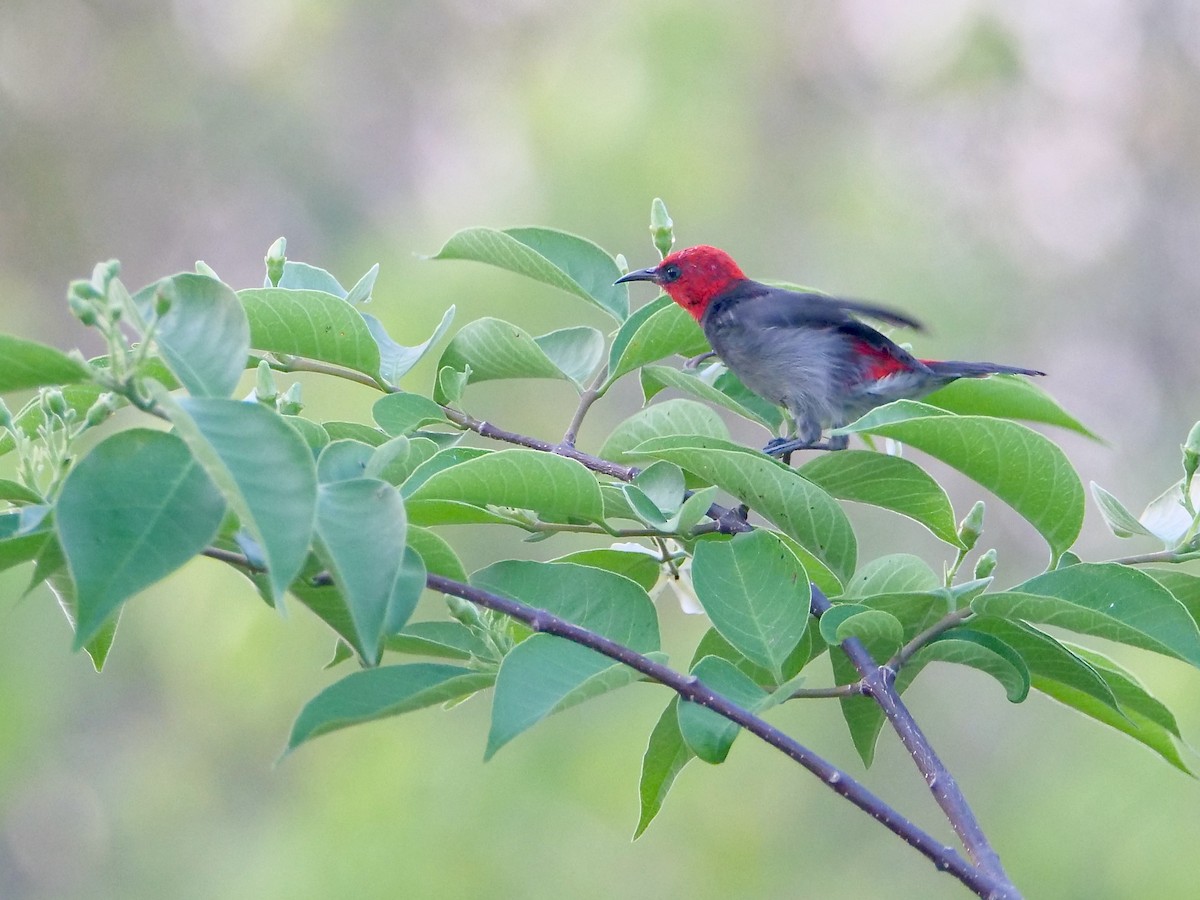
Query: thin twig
{"type": "Point", "coordinates": [586, 399]}
{"type": "Point", "coordinates": [1160, 556]}
{"type": "Point", "coordinates": [879, 682]}
{"type": "Point", "coordinates": [942, 625]}
{"type": "Point", "coordinates": [854, 689]}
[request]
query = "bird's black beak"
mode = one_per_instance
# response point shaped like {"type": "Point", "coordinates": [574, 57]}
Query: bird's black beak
{"type": "Point", "coordinates": [650, 274]}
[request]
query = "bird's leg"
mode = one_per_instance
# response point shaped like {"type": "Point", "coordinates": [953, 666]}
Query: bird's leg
{"type": "Point", "coordinates": [784, 447]}
{"type": "Point", "coordinates": [694, 362]}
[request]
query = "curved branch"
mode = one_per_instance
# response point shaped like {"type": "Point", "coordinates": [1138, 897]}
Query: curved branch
{"type": "Point", "coordinates": [879, 683]}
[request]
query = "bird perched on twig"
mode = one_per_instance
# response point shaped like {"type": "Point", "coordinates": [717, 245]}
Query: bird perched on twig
{"type": "Point", "coordinates": [802, 351]}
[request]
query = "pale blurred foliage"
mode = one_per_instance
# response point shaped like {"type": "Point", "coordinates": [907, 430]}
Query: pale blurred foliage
{"type": "Point", "coordinates": [1021, 175]}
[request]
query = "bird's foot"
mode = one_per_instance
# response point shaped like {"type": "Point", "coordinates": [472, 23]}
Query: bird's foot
{"type": "Point", "coordinates": [694, 362]}
{"type": "Point", "coordinates": [785, 446]}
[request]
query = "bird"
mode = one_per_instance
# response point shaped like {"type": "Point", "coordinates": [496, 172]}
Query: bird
{"type": "Point", "coordinates": [805, 352]}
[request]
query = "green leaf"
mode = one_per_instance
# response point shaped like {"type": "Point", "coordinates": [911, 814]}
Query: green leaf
{"type": "Point", "coordinates": [1048, 661]}
{"type": "Point", "coordinates": [1120, 521]}
{"type": "Point", "coordinates": [402, 413]}
{"type": "Point", "coordinates": [666, 755]}
{"type": "Point", "coordinates": [671, 417]}
{"type": "Point", "coordinates": [1005, 397]}
{"type": "Point", "coordinates": [204, 337]}
{"type": "Point", "coordinates": [788, 500]}
{"type": "Point", "coordinates": [355, 431]}
{"type": "Point", "coordinates": [386, 691]}
{"type": "Point", "coordinates": [343, 460]}
{"type": "Point", "coordinates": [15, 492]}
{"type": "Point", "coordinates": [361, 292]}
{"type": "Point", "coordinates": [361, 529]}
{"type": "Point", "coordinates": [1025, 470]}
{"type": "Point", "coordinates": [642, 568]}
{"type": "Point", "coordinates": [313, 434]}
{"type": "Point", "coordinates": [131, 512]}
{"type": "Point", "coordinates": [526, 479]}
{"type": "Point", "coordinates": [983, 651]}
{"type": "Point", "coordinates": [448, 640]}
{"type": "Point", "coordinates": [453, 512]}
{"type": "Point", "coordinates": [438, 555]}
{"type": "Point", "coordinates": [312, 324]}
{"type": "Point", "coordinates": [397, 360]}
{"type": "Point", "coordinates": [1183, 586]}
{"type": "Point", "coordinates": [1142, 717]}
{"type": "Point", "coordinates": [561, 260]}
{"type": "Point", "coordinates": [63, 588]}
{"type": "Point", "coordinates": [298, 276]}
{"type": "Point", "coordinates": [28, 364]}
{"type": "Point", "coordinates": [707, 734]}
{"type": "Point", "coordinates": [1105, 600]}
{"type": "Point", "coordinates": [494, 349]}
{"type": "Point", "coordinates": [756, 594]}
{"type": "Point", "coordinates": [896, 573]}
{"type": "Point", "coordinates": [889, 482]}
{"type": "Point", "coordinates": [659, 329]}
{"type": "Point", "coordinates": [264, 469]}
{"type": "Point", "coordinates": [396, 460]}
{"type": "Point", "coordinates": [658, 378]}
{"type": "Point", "coordinates": [880, 632]}
{"type": "Point", "coordinates": [545, 674]}
{"type": "Point", "coordinates": [17, 546]}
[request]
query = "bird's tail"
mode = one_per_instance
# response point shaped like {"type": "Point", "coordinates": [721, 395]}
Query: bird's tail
{"type": "Point", "coordinates": [956, 369]}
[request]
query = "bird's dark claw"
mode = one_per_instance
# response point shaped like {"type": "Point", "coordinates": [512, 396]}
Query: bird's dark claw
{"type": "Point", "coordinates": [694, 362]}
{"type": "Point", "coordinates": [784, 446]}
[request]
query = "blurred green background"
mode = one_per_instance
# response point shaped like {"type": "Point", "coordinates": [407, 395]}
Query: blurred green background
{"type": "Point", "coordinates": [1021, 176]}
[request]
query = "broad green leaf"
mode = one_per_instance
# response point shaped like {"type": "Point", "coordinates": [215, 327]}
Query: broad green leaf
{"type": "Point", "coordinates": [494, 349]}
{"type": "Point", "coordinates": [1142, 717]}
{"type": "Point", "coordinates": [1048, 661]}
{"type": "Point", "coordinates": [396, 360]}
{"type": "Point", "coordinates": [18, 547]}
{"type": "Point", "coordinates": [450, 383]}
{"type": "Point", "coordinates": [402, 413]}
{"type": "Point", "coordinates": [386, 691]}
{"type": "Point", "coordinates": [97, 648]}
{"type": "Point", "coordinates": [712, 644]}
{"type": "Point", "coordinates": [671, 417]}
{"type": "Point", "coordinates": [355, 431]}
{"type": "Point", "coordinates": [657, 378]}
{"type": "Point", "coordinates": [1120, 521]}
{"type": "Point", "coordinates": [454, 512]}
{"type": "Point", "coordinates": [396, 460]}
{"type": "Point", "coordinates": [313, 434]}
{"type": "Point", "coordinates": [312, 324]}
{"type": "Point", "coordinates": [545, 674]}
{"type": "Point", "coordinates": [890, 482]}
{"type": "Point", "coordinates": [438, 555]}
{"type": "Point", "coordinates": [659, 329]}
{"type": "Point", "coordinates": [28, 364]}
{"type": "Point", "coordinates": [561, 260]}
{"type": "Point", "coordinates": [1005, 397]}
{"type": "Point", "coordinates": [756, 594]}
{"type": "Point", "coordinates": [707, 734]}
{"type": "Point", "coordinates": [914, 610]}
{"type": "Point", "coordinates": [818, 573]}
{"type": "Point", "coordinates": [896, 573]}
{"type": "Point", "coordinates": [361, 530]}
{"type": "Point", "coordinates": [985, 652]}
{"type": "Point", "coordinates": [575, 351]}
{"type": "Point", "coordinates": [1021, 467]}
{"type": "Point", "coordinates": [788, 500]}
{"type": "Point", "coordinates": [131, 512]}
{"type": "Point", "coordinates": [642, 568]}
{"type": "Point", "coordinates": [204, 338]}
{"type": "Point", "coordinates": [527, 479]}
{"type": "Point", "coordinates": [298, 276]}
{"type": "Point", "coordinates": [263, 468]}
{"type": "Point", "coordinates": [879, 631]}
{"type": "Point", "coordinates": [1105, 600]}
{"type": "Point", "coordinates": [443, 459]}
{"type": "Point", "coordinates": [1183, 586]}
{"type": "Point", "coordinates": [447, 640]}
{"type": "Point", "coordinates": [666, 755]}
{"type": "Point", "coordinates": [343, 460]}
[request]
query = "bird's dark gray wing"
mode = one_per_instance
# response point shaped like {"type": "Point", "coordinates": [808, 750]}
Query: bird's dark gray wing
{"type": "Point", "coordinates": [779, 307]}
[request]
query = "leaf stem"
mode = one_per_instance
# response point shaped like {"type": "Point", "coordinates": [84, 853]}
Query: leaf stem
{"type": "Point", "coordinates": [593, 393]}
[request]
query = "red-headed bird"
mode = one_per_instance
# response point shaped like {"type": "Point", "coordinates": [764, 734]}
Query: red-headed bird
{"type": "Point", "coordinates": [804, 352]}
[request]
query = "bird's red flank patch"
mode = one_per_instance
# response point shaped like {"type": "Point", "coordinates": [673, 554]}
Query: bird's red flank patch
{"type": "Point", "coordinates": [880, 363]}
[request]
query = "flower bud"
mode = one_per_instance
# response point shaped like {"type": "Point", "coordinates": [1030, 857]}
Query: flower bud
{"type": "Point", "coordinates": [54, 403]}
{"type": "Point", "coordinates": [265, 389]}
{"type": "Point", "coordinates": [1191, 453]}
{"type": "Point", "coordinates": [971, 527]}
{"type": "Point", "coordinates": [275, 260]}
{"type": "Point", "coordinates": [662, 229]}
{"type": "Point", "coordinates": [464, 611]}
{"type": "Point", "coordinates": [986, 564]}
{"type": "Point", "coordinates": [105, 406]}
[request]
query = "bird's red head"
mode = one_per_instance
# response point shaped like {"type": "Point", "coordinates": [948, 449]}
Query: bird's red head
{"type": "Point", "coordinates": [692, 277]}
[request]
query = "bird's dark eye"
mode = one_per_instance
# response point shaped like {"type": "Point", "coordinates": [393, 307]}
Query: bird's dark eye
{"type": "Point", "coordinates": [670, 273]}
